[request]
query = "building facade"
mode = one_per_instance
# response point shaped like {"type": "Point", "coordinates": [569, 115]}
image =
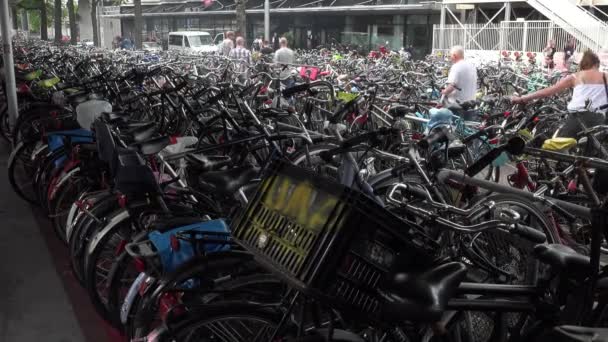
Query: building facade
{"type": "Point", "coordinates": [365, 24]}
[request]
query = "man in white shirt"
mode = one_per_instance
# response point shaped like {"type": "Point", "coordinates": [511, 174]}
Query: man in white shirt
{"type": "Point", "coordinates": [227, 44]}
{"type": "Point", "coordinates": [285, 55]}
{"type": "Point", "coordinates": [462, 79]}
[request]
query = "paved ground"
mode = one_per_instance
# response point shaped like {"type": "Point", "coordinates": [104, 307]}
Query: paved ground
{"type": "Point", "coordinates": [39, 298]}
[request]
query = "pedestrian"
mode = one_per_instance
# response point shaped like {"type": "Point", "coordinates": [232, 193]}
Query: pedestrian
{"type": "Point", "coordinates": [227, 44]}
{"type": "Point", "coordinates": [126, 44]}
{"type": "Point", "coordinates": [587, 84]}
{"type": "Point", "coordinates": [240, 53]}
{"type": "Point", "coordinates": [257, 44]}
{"type": "Point", "coordinates": [275, 41]}
{"type": "Point", "coordinates": [569, 52]}
{"type": "Point", "coordinates": [462, 79]}
{"type": "Point", "coordinates": [549, 52]}
{"type": "Point", "coordinates": [266, 49]}
{"type": "Point", "coordinates": [284, 55]}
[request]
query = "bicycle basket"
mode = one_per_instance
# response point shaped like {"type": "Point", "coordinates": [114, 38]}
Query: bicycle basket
{"type": "Point", "coordinates": [327, 240]}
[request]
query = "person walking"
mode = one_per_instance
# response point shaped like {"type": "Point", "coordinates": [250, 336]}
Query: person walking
{"type": "Point", "coordinates": [569, 52]}
{"type": "Point", "coordinates": [240, 53]}
{"type": "Point", "coordinates": [462, 79]}
{"type": "Point", "coordinates": [266, 49]}
{"type": "Point", "coordinates": [587, 84]}
{"type": "Point", "coordinates": [549, 52]}
{"type": "Point", "coordinates": [227, 44]}
{"type": "Point", "coordinates": [275, 41]}
{"type": "Point", "coordinates": [284, 55]}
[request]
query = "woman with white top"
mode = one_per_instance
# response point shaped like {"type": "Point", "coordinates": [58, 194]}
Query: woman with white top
{"type": "Point", "coordinates": [589, 84]}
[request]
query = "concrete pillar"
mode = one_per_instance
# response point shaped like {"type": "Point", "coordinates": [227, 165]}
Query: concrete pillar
{"type": "Point", "coordinates": [442, 27]}
{"type": "Point", "coordinates": [348, 24]}
{"type": "Point", "coordinates": [348, 29]}
{"type": "Point", "coordinates": [84, 20]}
{"type": "Point", "coordinates": [463, 16]}
{"type": "Point", "coordinates": [24, 21]}
{"type": "Point", "coordinates": [399, 27]}
{"type": "Point", "coordinates": [507, 11]}
{"type": "Point", "coordinates": [323, 36]}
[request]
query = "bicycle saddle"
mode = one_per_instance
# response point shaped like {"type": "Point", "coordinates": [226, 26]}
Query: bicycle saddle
{"type": "Point", "coordinates": [570, 333]}
{"type": "Point", "coordinates": [559, 144]}
{"type": "Point", "coordinates": [564, 258]}
{"type": "Point", "coordinates": [423, 297]}
{"type": "Point", "coordinates": [141, 131]}
{"type": "Point", "coordinates": [153, 146]}
{"type": "Point", "coordinates": [201, 163]}
{"type": "Point", "coordinates": [398, 111]}
{"type": "Point", "coordinates": [228, 181]}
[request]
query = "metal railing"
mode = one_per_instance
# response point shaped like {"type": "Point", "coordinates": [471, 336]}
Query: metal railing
{"type": "Point", "coordinates": [512, 36]}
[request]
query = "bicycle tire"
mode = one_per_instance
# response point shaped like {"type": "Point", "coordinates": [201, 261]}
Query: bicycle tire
{"type": "Point", "coordinates": [21, 171]}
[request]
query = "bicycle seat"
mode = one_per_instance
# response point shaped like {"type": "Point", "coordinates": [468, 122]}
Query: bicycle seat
{"type": "Point", "coordinates": [563, 258]}
{"type": "Point", "coordinates": [227, 181]}
{"type": "Point", "coordinates": [467, 105]}
{"type": "Point", "coordinates": [423, 297]}
{"type": "Point", "coordinates": [153, 146]}
{"type": "Point", "coordinates": [398, 111]}
{"type": "Point", "coordinates": [559, 144]}
{"type": "Point", "coordinates": [571, 333]}
{"type": "Point", "coordinates": [201, 163]}
{"type": "Point", "coordinates": [141, 131]}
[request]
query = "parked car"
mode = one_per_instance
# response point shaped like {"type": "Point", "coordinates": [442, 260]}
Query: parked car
{"type": "Point", "coordinates": [194, 41]}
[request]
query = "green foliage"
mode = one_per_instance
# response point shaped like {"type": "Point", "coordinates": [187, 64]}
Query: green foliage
{"type": "Point", "coordinates": [290, 38]}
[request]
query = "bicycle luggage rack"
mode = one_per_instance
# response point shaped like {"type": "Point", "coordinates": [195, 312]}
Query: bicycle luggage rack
{"type": "Point", "coordinates": [328, 241]}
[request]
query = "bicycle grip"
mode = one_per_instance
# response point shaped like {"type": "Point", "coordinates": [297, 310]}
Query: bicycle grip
{"type": "Point", "coordinates": [529, 233]}
{"type": "Point", "coordinates": [296, 89]}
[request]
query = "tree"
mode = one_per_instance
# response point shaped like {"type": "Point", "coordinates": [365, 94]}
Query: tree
{"type": "Point", "coordinates": [72, 19]}
{"type": "Point", "coordinates": [138, 23]}
{"type": "Point", "coordinates": [241, 18]}
{"type": "Point", "coordinates": [57, 21]}
{"type": "Point", "coordinates": [44, 34]}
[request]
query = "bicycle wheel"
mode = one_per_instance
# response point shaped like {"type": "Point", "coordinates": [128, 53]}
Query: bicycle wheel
{"type": "Point", "coordinates": [101, 254]}
{"type": "Point", "coordinates": [209, 272]}
{"type": "Point", "coordinates": [21, 170]}
{"type": "Point", "coordinates": [509, 254]}
{"type": "Point", "coordinates": [83, 231]}
{"type": "Point", "coordinates": [228, 322]}
{"type": "Point", "coordinates": [62, 201]}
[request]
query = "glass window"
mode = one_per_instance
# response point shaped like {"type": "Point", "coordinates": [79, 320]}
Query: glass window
{"type": "Point", "coordinates": [200, 40]}
{"type": "Point", "coordinates": [175, 40]}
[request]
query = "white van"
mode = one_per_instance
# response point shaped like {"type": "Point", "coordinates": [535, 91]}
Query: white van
{"type": "Point", "coordinates": [194, 41]}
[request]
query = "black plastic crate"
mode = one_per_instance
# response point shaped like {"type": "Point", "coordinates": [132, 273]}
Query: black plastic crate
{"type": "Point", "coordinates": [328, 240]}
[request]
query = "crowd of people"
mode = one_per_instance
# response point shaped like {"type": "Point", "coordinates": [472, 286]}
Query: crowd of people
{"type": "Point", "coordinates": [234, 47]}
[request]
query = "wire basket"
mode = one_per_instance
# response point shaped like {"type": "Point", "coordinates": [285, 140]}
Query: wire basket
{"type": "Point", "coordinates": [327, 240]}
